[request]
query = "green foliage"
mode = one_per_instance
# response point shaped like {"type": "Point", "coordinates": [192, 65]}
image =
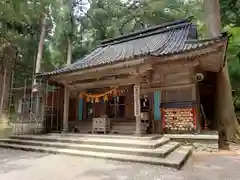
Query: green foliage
{"type": "Point", "coordinates": [233, 55]}
{"type": "Point", "coordinates": [230, 10]}
{"type": "Point", "coordinates": [20, 26]}
{"type": "Point", "coordinates": [87, 22]}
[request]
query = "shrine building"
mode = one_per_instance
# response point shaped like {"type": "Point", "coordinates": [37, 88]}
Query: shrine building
{"type": "Point", "coordinates": [155, 81]}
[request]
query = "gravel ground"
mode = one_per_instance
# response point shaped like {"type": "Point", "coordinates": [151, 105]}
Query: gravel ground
{"type": "Point", "coordinates": [20, 165]}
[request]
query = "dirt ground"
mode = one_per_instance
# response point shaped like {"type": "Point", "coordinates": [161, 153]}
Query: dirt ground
{"type": "Point", "coordinates": [15, 165]}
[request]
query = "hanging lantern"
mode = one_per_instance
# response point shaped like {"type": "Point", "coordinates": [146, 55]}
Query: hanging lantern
{"type": "Point", "coordinates": [105, 98]}
{"type": "Point", "coordinates": [88, 99]}
{"type": "Point", "coordinates": [97, 100]}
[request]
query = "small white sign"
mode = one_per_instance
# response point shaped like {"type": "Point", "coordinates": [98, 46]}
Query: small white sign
{"type": "Point", "coordinates": [137, 105]}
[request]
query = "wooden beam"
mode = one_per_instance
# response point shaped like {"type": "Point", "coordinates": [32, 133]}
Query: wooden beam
{"type": "Point", "coordinates": [106, 73]}
{"type": "Point", "coordinates": [92, 75]}
{"type": "Point", "coordinates": [109, 78]}
{"type": "Point", "coordinates": [187, 55]}
{"type": "Point", "coordinates": [105, 68]}
{"type": "Point", "coordinates": [105, 83]}
{"type": "Point", "coordinates": [99, 79]}
{"type": "Point", "coordinates": [153, 89]}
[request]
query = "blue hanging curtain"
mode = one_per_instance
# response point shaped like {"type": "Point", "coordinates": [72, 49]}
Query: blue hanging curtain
{"type": "Point", "coordinates": [157, 101]}
{"type": "Point", "coordinates": [80, 109]}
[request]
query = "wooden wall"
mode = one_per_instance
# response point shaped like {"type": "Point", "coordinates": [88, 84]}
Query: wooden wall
{"type": "Point", "coordinates": [52, 99]}
{"type": "Point", "coordinates": [175, 81]}
{"type": "Point", "coordinates": [129, 108]}
{"type": "Point", "coordinates": [172, 75]}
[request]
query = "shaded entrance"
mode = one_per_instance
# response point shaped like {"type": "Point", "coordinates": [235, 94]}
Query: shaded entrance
{"type": "Point", "coordinates": [207, 89]}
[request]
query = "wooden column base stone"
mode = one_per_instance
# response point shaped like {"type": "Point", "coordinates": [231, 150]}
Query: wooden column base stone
{"type": "Point", "coordinates": [65, 130]}
{"type": "Point", "coordinates": [139, 133]}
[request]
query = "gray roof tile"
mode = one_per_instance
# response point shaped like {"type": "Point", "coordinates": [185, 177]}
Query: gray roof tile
{"type": "Point", "coordinates": [156, 41]}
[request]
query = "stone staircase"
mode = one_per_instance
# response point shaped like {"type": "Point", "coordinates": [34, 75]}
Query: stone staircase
{"type": "Point", "coordinates": [148, 149]}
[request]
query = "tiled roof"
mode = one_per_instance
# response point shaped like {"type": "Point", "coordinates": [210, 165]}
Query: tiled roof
{"type": "Point", "coordinates": [160, 40]}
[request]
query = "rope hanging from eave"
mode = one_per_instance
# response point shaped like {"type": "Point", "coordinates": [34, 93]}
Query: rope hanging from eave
{"type": "Point", "coordinates": [113, 90]}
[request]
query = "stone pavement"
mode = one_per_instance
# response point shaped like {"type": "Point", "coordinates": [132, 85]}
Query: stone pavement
{"type": "Point", "coordinates": [20, 165]}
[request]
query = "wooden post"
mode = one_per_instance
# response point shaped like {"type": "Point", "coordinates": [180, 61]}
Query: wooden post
{"type": "Point", "coordinates": [137, 106]}
{"type": "Point", "coordinates": [66, 108]}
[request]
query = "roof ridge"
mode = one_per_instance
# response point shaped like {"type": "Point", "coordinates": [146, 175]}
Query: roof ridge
{"type": "Point", "coordinates": [147, 30]}
{"type": "Point", "coordinates": [223, 34]}
{"type": "Point", "coordinates": [145, 34]}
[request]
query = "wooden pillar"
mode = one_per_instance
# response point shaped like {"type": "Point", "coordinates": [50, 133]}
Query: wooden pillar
{"type": "Point", "coordinates": [80, 108]}
{"type": "Point", "coordinates": [137, 106]}
{"type": "Point", "coordinates": [105, 111]}
{"type": "Point", "coordinates": [151, 112]}
{"type": "Point", "coordinates": [196, 97]}
{"type": "Point", "coordinates": [66, 108]}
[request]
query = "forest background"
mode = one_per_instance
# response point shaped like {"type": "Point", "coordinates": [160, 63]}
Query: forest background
{"type": "Point", "coordinates": [82, 24]}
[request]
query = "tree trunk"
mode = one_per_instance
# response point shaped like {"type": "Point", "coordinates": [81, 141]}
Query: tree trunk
{"type": "Point", "coordinates": [3, 90]}
{"type": "Point", "coordinates": [70, 33]}
{"type": "Point", "coordinates": [69, 51]}
{"type": "Point", "coordinates": [227, 121]}
{"type": "Point", "coordinates": [40, 51]}
{"type": "Point", "coordinates": [36, 87]}
{"type": "Point", "coordinates": [41, 44]}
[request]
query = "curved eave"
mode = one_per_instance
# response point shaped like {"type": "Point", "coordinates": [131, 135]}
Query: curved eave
{"type": "Point", "coordinates": [192, 49]}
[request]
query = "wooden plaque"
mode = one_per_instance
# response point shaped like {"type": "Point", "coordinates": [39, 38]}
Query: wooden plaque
{"type": "Point", "coordinates": [137, 107]}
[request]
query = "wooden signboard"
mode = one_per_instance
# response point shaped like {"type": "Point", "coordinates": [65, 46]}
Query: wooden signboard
{"type": "Point", "coordinates": [179, 119]}
{"type": "Point", "coordinates": [137, 105]}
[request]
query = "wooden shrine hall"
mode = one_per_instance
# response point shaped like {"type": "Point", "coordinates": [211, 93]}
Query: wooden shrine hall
{"type": "Point", "coordinates": [157, 80]}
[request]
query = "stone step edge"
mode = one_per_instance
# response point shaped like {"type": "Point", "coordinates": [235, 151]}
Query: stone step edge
{"type": "Point", "coordinates": [176, 159]}
{"type": "Point", "coordinates": [192, 136]}
{"type": "Point", "coordinates": [161, 151]}
{"type": "Point", "coordinates": [116, 142]}
{"type": "Point", "coordinates": [110, 136]}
